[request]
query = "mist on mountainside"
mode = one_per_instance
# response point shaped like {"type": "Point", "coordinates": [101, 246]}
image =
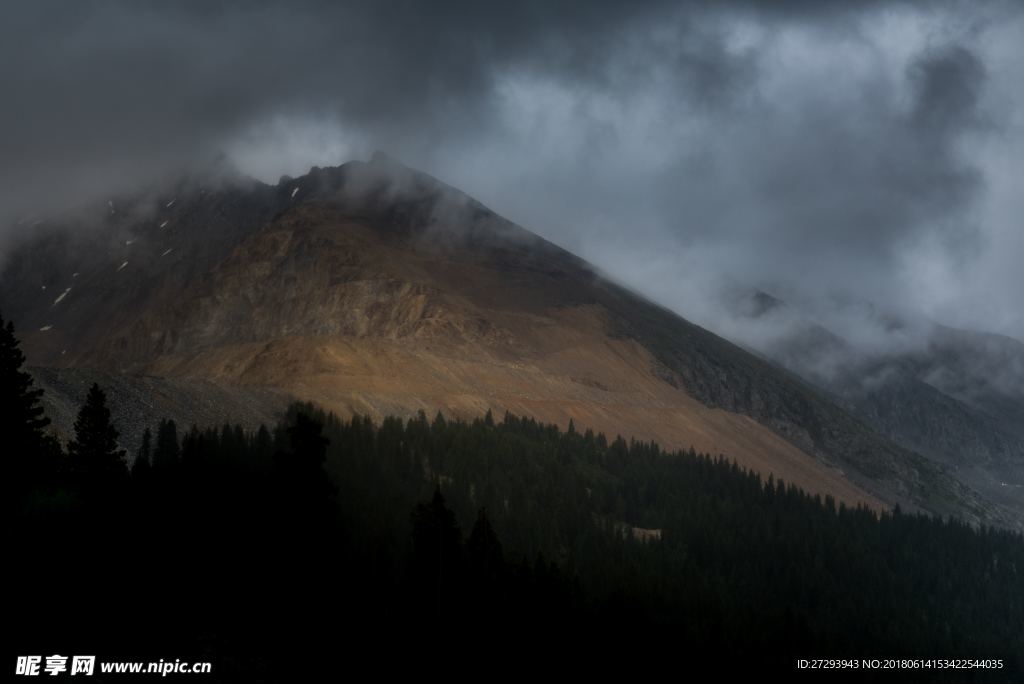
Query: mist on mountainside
{"type": "Point", "coordinates": [856, 162]}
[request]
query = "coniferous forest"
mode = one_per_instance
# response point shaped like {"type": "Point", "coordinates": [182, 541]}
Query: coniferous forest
{"type": "Point", "coordinates": [429, 545]}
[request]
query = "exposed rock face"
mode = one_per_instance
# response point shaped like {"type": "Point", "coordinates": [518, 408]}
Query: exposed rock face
{"type": "Point", "coordinates": [372, 288]}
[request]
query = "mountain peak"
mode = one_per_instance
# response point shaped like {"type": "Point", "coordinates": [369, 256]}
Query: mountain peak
{"type": "Point", "coordinates": [374, 288]}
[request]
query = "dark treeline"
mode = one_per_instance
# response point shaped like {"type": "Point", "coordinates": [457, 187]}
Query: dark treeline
{"type": "Point", "coordinates": [429, 543]}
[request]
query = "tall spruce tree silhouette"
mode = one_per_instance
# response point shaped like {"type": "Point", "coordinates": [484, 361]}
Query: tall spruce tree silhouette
{"type": "Point", "coordinates": [485, 566]}
{"type": "Point", "coordinates": [95, 457]}
{"type": "Point", "coordinates": [141, 467]}
{"type": "Point", "coordinates": [437, 554]}
{"type": "Point", "coordinates": [483, 548]}
{"type": "Point", "coordinates": [168, 450]}
{"type": "Point", "coordinates": [21, 416]}
{"type": "Point", "coordinates": [301, 472]}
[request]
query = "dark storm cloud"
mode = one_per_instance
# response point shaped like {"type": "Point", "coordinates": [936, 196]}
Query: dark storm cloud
{"type": "Point", "coordinates": [111, 74]}
{"type": "Point", "coordinates": [99, 94]}
{"type": "Point", "coordinates": [849, 178]}
{"type": "Point", "coordinates": [104, 88]}
{"type": "Point", "coordinates": [813, 147]}
{"type": "Point", "coordinates": [946, 87]}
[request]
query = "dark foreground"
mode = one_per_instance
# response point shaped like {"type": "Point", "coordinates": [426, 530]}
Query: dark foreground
{"type": "Point", "coordinates": [443, 548]}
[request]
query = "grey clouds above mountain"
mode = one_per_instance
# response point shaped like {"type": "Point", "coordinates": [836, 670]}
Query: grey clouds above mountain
{"type": "Point", "coordinates": [825, 151]}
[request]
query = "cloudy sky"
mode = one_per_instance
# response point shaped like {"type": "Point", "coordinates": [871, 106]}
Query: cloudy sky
{"type": "Point", "coordinates": [840, 155]}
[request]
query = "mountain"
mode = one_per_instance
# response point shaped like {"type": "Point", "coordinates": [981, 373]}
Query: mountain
{"type": "Point", "coordinates": [377, 289]}
{"type": "Point", "coordinates": [954, 396]}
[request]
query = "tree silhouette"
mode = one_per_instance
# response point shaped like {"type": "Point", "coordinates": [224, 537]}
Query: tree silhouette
{"type": "Point", "coordinates": [483, 549]}
{"type": "Point", "coordinates": [485, 566]}
{"type": "Point", "coordinates": [141, 466]}
{"type": "Point", "coordinates": [437, 550]}
{"type": "Point", "coordinates": [301, 471]}
{"type": "Point", "coordinates": [21, 417]}
{"type": "Point", "coordinates": [168, 450]}
{"type": "Point", "coordinates": [94, 454]}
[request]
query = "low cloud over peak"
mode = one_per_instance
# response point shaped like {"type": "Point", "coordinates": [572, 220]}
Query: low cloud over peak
{"type": "Point", "coordinates": [819, 150]}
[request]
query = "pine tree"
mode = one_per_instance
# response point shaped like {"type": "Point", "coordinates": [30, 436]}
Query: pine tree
{"type": "Point", "coordinates": [167, 450]}
{"type": "Point", "coordinates": [437, 551]}
{"type": "Point", "coordinates": [141, 466]}
{"type": "Point", "coordinates": [483, 549]}
{"type": "Point", "coordinates": [21, 417]}
{"type": "Point", "coordinates": [301, 473]}
{"type": "Point", "coordinates": [94, 454]}
{"type": "Point", "coordinates": [263, 446]}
